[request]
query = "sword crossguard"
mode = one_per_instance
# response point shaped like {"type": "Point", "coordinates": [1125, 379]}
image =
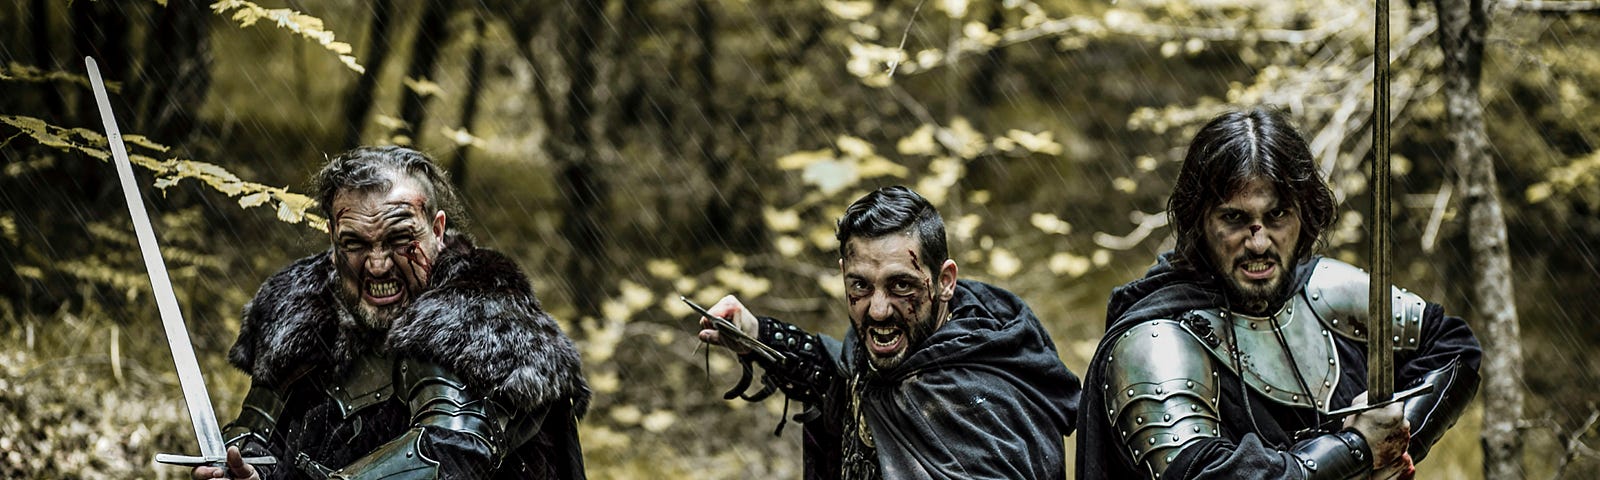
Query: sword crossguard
{"type": "Point", "coordinates": [202, 461]}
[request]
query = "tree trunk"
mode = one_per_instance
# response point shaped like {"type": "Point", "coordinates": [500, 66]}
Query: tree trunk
{"type": "Point", "coordinates": [176, 73]}
{"type": "Point", "coordinates": [359, 101]}
{"type": "Point", "coordinates": [1463, 25]}
{"type": "Point", "coordinates": [424, 54]}
{"type": "Point", "coordinates": [582, 188]}
{"type": "Point", "coordinates": [469, 99]}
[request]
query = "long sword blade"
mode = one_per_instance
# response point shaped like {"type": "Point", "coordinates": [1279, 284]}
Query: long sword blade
{"type": "Point", "coordinates": [194, 387]}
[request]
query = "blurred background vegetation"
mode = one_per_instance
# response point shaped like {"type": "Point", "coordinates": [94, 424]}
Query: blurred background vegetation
{"type": "Point", "coordinates": [627, 151]}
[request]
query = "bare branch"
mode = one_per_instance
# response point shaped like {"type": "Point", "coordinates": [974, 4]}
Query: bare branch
{"type": "Point", "coordinates": [1542, 6]}
{"type": "Point", "coordinates": [1575, 446]}
{"type": "Point", "coordinates": [1147, 224]}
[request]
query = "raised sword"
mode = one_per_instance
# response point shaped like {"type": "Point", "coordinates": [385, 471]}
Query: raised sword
{"type": "Point", "coordinates": [212, 450]}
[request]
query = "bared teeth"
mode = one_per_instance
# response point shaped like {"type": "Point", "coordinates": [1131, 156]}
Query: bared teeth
{"type": "Point", "coordinates": [383, 289]}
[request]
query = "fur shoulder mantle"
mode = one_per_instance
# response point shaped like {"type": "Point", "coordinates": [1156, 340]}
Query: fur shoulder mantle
{"type": "Point", "coordinates": [481, 320]}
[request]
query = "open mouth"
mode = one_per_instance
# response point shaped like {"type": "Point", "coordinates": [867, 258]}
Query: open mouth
{"type": "Point", "coordinates": [885, 341]}
{"type": "Point", "coordinates": [381, 292]}
{"type": "Point", "coordinates": [1258, 269]}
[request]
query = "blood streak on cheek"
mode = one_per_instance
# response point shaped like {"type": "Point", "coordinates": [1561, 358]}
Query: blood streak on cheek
{"type": "Point", "coordinates": [423, 264]}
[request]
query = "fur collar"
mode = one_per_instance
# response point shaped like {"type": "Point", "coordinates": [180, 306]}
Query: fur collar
{"type": "Point", "coordinates": [481, 320]}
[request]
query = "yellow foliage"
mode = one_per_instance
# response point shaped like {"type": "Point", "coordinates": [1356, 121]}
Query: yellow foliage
{"type": "Point", "coordinates": [848, 10]}
{"type": "Point", "coordinates": [248, 13]}
{"type": "Point", "coordinates": [635, 297]}
{"type": "Point", "coordinates": [781, 220]}
{"type": "Point", "coordinates": [789, 246]}
{"type": "Point", "coordinates": [663, 268]}
{"type": "Point", "coordinates": [919, 142]}
{"type": "Point", "coordinates": [658, 421]}
{"type": "Point", "coordinates": [423, 87]}
{"type": "Point", "coordinates": [16, 72]}
{"type": "Point", "coordinates": [1065, 263]}
{"type": "Point", "coordinates": [1003, 263]}
{"type": "Point", "coordinates": [1049, 223]}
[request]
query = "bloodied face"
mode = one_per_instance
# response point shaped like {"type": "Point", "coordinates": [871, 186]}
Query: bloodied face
{"type": "Point", "coordinates": [384, 245]}
{"type": "Point", "coordinates": [895, 302]}
{"type": "Point", "coordinates": [1252, 237]}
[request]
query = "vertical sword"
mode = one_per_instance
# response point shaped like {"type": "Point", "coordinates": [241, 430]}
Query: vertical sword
{"type": "Point", "coordinates": [1380, 324]}
{"type": "Point", "coordinates": [212, 449]}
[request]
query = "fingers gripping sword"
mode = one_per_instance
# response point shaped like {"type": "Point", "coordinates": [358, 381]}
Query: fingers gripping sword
{"type": "Point", "coordinates": [212, 450]}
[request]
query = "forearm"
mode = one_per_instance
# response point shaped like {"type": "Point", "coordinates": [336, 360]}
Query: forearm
{"type": "Point", "coordinates": [808, 372]}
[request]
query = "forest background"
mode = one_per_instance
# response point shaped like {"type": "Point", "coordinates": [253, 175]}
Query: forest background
{"type": "Point", "coordinates": [627, 151]}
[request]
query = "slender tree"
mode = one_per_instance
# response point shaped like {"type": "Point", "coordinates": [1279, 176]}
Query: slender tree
{"type": "Point", "coordinates": [424, 55]}
{"type": "Point", "coordinates": [1463, 25]}
{"type": "Point", "coordinates": [359, 101]}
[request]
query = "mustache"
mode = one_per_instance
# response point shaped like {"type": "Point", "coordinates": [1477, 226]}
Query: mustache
{"type": "Point", "coordinates": [1250, 257]}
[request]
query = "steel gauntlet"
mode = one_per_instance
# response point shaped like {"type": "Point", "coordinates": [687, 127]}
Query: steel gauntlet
{"type": "Point", "coordinates": [1338, 455]}
{"type": "Point", "coordinates": [438, 399]}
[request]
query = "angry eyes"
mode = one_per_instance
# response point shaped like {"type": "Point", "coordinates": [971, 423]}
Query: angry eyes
{"type": "Point", "coordinates": [1238, 217]}
{"type": "Point", "coordinates": [898, 287]}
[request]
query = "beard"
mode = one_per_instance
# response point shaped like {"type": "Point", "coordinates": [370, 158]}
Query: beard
{"type": "Point", "coordinates": [1259, 296]}
{"type": "Point", "coordinates": [913, 333]}
{"type": "Point", "coordinates": [361, 314]}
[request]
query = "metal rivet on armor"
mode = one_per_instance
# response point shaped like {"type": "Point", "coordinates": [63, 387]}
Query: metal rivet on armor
{"type": "Point", "coordinates": [807, 347]}
{"type": "Point", "coordinates": [1130, 392]}
{"type": "Point", "coordinates": [1213, 431]}
{"type": "Point", "coordinates": [1170, 457]}
{"type": "Point", "coordinates": [1160, 390]}
{"type": "Point", "coordinates": [1105, 386]}
{"type": "Point", "coordinates": [1269, 388]}
{"type": "Point", "coordinates": [1188, 384]}
{"type": "Point", "coordinates": [1138, 420]}
{"type": "Point", "coordinates": [1252, 325]}
{"type": "Point", "coordinates": [1396, 339]}
{"type": "Point", "coordinates": [1196, 429]}
{"type": "Point", "coordinates": [1413, 340]}
{"type": "Point", "coordinates": [1155, 334]}
{"type": "Point", "coordinates": [408, 454]}
{"type": "Point", "coordinates": [1330, 361]}
{"type": "Point", "coordinates": [378, 396]}
{"type": "Point", "coordinates": [1316, 296]}
{"type": "Point", "coordinates": [1324, 333]}
{"type": "Point", "coordinates": [1110, 358]}
{"type": "Point", "coordinates": [1327, 384]}
{"type": "Point", "coordinates": [1311, 464]}
{"type": "Point", "coordinates": [1152, 440]}
{"type": "Point", "coordinates": [1194, 408]}
{"type": "Point", "coordinates": [1335, 321]}
{"type": "Point", "coordinates": [777, 335]}
{"type": "Point", "coordinates": [1167, 417]}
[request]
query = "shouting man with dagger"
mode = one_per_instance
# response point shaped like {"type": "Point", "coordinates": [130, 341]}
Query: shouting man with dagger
{"type": "Point", "coordinates": [936, 377]}
{"type": "Point", "coordinates": [1241, 354]}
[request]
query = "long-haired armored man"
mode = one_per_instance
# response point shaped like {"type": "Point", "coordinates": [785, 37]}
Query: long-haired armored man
{"type": "Point", "coordinates": [1226, 359]}
{"type": "Point", "coordinates": [403, 351]}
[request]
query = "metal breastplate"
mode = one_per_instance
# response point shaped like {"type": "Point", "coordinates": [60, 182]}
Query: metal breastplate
{"type": "Point", "coordinates": [1250, 347]}
{"type": "Point", "coordinates": [369, 381]}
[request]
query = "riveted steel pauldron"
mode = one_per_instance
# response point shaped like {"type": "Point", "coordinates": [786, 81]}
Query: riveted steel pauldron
{"type": "Point", "coordinates": [258, 417]}
{"type": "Point", "coordinates": [1333, 456]}
{"type": "Point", "coordinates": [438, 398]}
{"type": "Point", "coordinates": [1160, 391]}
{"type": "Point", "coordinates": [805, 372]}
{"type": "Point", "coordinates": [1337, 293]}
{"type": "Point", "coordinates": [1432, 413]}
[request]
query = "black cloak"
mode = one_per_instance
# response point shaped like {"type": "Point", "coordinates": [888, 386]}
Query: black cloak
{"type": "Point", "coordinates": [985, 397]}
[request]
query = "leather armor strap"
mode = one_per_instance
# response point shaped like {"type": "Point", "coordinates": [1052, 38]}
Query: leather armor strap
{"type": "Point", "coordinates": [438, 398]}
{"type": "Point", "coordinates": [258, 417]}
{"type": "Point", "coordinates": [1338, 455]}
{"type": "Point", "coordinates": [400, 459]}
{"type": "Point", "coordinates": [1432, 413]}
{"type": "Point", "coordinates": [807, 372]}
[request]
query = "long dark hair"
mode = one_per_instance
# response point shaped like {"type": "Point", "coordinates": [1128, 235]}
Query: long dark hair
{"type": "Point", "coordinates": [892, 210]}
{"type": "Point", "coordinates": [1232, 149]}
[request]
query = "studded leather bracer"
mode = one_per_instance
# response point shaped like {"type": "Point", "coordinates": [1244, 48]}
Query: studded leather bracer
{"type": "Point", "coordinates": [1432, 413]}
{"type": "Point", "coordinates": [438, 399]}
{"type": "Point", "coordinates": [1161, 392]}
{"type": "Point", "coordinates": [806, 373]}
{"type": "Point", "coordinates": [258, 417]}
{"type": "Point", "coordinates": [1335, 456]}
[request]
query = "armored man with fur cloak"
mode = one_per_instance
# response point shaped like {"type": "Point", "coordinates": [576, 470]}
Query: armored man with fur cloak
{"type": "Point", "coordinates": [386, 357]}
